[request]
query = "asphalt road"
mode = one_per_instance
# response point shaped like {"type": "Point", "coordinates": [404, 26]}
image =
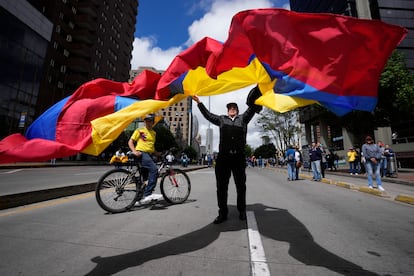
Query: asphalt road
{"type": "Point", "coordinates": [305, 228]}
{"type": "Point", "coordinates": [21, 180]}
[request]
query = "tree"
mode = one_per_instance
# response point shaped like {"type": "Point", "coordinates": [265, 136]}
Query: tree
{"type": "Point", "coordinates": [396, 83]}
{"type": "Point", "coordinates": [190, 152]}
{"type": "Point", "coordinates": [248, 150]}
{"type": "Point", "coordinates": [282, 127]}
{"type": "Point", "coordinates": [265, 151]}
{"type": "Point", "coordinates": [396, 96]}
{"type": "Point", "coordinates": [165, 139]}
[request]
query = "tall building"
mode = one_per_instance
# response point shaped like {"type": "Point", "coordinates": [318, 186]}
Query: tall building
{"type": "Point", "coordinates": [209, 140]}
{"type": "Point", "coordinates": [399, 13]}
{"type": "Point", "coordinates": [91, 39]}
{"type": "Point", "coordinates": [177, 116]}
{"type": "Point", "coordinates": [24, 38]}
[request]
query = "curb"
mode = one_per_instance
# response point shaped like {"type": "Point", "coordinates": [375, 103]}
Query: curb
{"type": "Point", "coordinates": [373, 191]}
{"type": "Point", "coordinates": [405, 198]}
{"type": "Point", "coordinates": [400, 198]}
{"type": "Point", "coordinates": [20, 199]}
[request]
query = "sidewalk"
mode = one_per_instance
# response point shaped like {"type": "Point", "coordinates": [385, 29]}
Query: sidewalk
{"type": "Point", "coordinates": [399, 188]}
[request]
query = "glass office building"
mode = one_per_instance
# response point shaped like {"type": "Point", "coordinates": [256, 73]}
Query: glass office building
{"type": "Point", "coordinates": [24, 38]}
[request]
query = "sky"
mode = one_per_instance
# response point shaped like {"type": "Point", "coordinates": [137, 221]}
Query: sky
{"type": "Point", "coordinates": [166, 28]}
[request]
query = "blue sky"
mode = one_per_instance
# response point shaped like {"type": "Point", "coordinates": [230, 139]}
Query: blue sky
{"type": "Point", "coordinates": [165, 28]}
{"type": "Point", "coordinates": [169, 24]}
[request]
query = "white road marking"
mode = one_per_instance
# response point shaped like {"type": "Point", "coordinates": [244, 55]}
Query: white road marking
{"type": "Point", "coordinates": [257, 254]}
{"type": "Point", "coordinates": [13, 171]}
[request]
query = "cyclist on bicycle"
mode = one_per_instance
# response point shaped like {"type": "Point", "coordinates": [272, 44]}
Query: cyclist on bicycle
{"type": "Point", "coordinates": [142, 144]}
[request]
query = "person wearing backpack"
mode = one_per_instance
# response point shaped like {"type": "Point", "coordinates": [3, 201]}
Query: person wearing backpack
{"type": "Point", "coordinates": [291, 163]}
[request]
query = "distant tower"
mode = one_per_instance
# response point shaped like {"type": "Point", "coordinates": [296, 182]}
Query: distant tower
{"type": "Point", "coordinates": [209, 140]}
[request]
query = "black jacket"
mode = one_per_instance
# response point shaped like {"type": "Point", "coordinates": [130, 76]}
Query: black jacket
{"type": "Point", "coordinates": [232, 132]}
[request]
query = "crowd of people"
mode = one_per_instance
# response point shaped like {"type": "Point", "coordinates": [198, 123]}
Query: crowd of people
{"type": "Point", "coordinates": [357, 160]}
{"type": "Point", "coordinates": [373, 159]}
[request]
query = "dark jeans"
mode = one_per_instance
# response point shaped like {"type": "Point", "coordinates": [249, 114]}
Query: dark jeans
{"type": "Point", "coordinates": [227, 164]}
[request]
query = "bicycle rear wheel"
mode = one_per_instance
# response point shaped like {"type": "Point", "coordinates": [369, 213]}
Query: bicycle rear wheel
{"type": "Point", "coordinates": [116, 191]}
{"type": "Point", "coordinates": [175, 186]}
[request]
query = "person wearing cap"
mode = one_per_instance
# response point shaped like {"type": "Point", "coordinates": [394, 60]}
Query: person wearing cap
{"type": "Point", "coordinates": [231, 158]}
{"type": "Point", "coordinates": [352, 160]}
{"type": "Point", "coordinates": [372, 154]}
{"type": "Point", "coordinates": [142, 144]}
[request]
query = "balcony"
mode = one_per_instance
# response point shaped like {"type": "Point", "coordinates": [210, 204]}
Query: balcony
{"type": "Point", "coordinates": [80, 50]}
{"type": "Point", "coordinates": [88, 8]}
{"type": "Point", "coordinates": [75, 80]}
{"type": "Point", "coordinates": [79, 65]}
{"type": "Point", "coordinates": [86, 21]}
{"type": "Point", "coordinates": [83, 36]}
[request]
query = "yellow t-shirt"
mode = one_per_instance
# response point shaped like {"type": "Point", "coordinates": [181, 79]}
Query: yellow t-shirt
{"type": "Point", "coordinates": [352, 156]}
{"type": "Point", "coordinates": [145, 139]}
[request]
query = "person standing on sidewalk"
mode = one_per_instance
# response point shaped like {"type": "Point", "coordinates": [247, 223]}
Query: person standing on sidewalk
{"type": "Point", "coordinates": [372, 154]}
{"type": "Point", "coordinates": [231, 158]}
{"type": "Point", "coordinates": [383, 161]}
{"type": "Point", "coordinates": [299, 161]}
{"type": "Point", "coordinates": [323, 159]}
{"type": "Point", "coordinates": [291, 163]}
{"type": "Point", "coordinates": [352, 159]}
{"type": "Point", "coordinates": [315, 156]}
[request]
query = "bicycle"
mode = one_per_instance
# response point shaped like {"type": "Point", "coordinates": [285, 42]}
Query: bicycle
{"type": "Point", "coordinates": [119, 189]}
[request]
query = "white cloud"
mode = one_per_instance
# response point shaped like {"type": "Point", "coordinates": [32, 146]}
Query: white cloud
{"type": "Point", "coordinates": [215, 24]}
{"type": "Point", "coordinates": [145, 53]}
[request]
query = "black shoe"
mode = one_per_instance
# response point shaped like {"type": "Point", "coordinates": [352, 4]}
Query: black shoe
{"type": "Point", "coordinates": [242, 216]}
{"type": "Point", "coordinates": [220, 219]}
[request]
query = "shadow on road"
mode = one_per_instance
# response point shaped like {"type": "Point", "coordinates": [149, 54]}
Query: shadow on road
{"type": "Point", "coordinates": [274, 223]}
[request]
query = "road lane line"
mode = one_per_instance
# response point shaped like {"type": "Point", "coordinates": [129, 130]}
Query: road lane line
{"type": "Point", "coordinates": [13, 171]}
{"type": "Point", "coordinates": [257, 255]}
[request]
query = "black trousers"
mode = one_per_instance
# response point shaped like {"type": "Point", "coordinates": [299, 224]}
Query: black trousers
{"type": "Point", "coordinates": [227, 164]}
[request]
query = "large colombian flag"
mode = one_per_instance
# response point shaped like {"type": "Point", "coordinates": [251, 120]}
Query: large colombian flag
{"type": "Point", "coordinates": [296, 59]}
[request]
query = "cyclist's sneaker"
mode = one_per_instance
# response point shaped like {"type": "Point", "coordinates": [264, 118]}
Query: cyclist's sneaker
{"type": "Point", "coordinates": [156, 196]}
{"type": "Point", "coordinates": [148, 199]}
{"type": "Point", "coordinates": [381, 188]}
{"type": "Point", "coordinates": [145, 200]}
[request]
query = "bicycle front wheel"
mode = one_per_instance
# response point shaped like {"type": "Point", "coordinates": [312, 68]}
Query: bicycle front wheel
{"type": "Point", "coordinates": [116, 191]}
{"type": "Point", "coordinates": [175, 186]}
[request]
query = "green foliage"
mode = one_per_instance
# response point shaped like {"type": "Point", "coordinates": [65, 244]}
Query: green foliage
{"type": "Point", "coordinates": [248, 150]}
{"type": "Point", "coordinates": [165, 139]}
{"type": "Point", "coordinates": [265, 151]}
{"type": "Point", "coordinates": [191, 152]}
{"type": "Point", "coordinates": [397, 85]}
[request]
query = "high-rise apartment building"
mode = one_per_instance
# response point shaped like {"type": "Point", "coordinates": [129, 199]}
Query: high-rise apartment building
{"type": "Point", "coordinates": [400, 13]}
{"type": "Point", "coordinates": [177, 116]}
{"type": "Point", "coordinates": [90, 39]}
